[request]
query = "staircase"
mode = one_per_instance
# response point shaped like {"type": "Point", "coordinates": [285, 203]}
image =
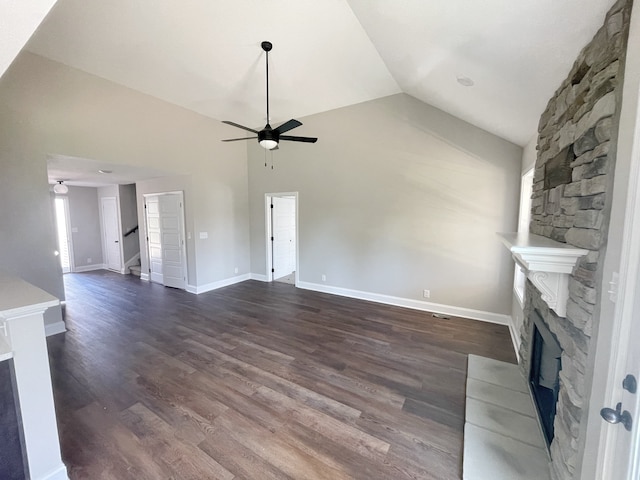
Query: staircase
{"type": "Point", "coordinates": [135, 269]}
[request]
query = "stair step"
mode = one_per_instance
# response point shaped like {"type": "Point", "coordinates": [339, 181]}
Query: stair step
{"type": "Point", "coordinates": [135, 270]}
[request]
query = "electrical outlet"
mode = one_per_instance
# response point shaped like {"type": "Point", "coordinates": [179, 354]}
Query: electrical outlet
{"type": "Point", "coordinates": [324, 277]}
{"type": "Point", "coordinates": [89, 260]}
{"type": "Point", "coordinates": [236, 270]}
{"type": "Point", "coordinates": [426, 293]}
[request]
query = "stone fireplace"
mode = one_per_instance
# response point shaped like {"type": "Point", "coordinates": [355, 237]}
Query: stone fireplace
{"type": "Point", "coordinates": [571, 204]}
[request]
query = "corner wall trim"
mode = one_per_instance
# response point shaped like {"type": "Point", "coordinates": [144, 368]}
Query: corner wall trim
{"type": "Point", "coordinates": [144, 276]}
{"type": "Point", "coordinates": [489, 317]}
{"type": "Point", "coordinates": [259, 277]}
{"type": "Point", "coordinates": [90, 268]}
{"type": "Point", "coordinates": [207, 287]}
{"type": "Point", "coordinates": [515, 338]}
{"type": "Point", "coordinates": [59, 473]}
{"type": "Point", "coordinates": [54, 328]}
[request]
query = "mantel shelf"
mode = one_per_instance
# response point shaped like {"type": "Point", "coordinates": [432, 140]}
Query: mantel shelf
{"type": "Point", "coordinates": [547, 264]}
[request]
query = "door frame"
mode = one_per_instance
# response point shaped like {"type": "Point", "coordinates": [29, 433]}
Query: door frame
{"type": "Point", "coordinates": [183, 231]}
{"type": "Point", "coordinates": [67, 223]}
{"type": "Point", "coordinates": [268, 232]}
{"type": "Point", "coordinates": [104, 233]}
{"type": "Point", "coordinates": [617, 306]}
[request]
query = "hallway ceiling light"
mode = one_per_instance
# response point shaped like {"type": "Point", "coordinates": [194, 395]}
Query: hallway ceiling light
{"type": "Point", "coordinates": [59, 188]}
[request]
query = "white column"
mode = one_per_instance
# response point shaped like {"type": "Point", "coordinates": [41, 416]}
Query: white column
{"type": "Point", "coordinates": [21, 313]}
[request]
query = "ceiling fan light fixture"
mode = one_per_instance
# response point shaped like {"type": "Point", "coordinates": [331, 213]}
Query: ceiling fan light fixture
{"type": "Point", "coordinates": [60, 189]}
{"type": "Point", "coordinates": [268, 137]}
{"type": "Point", "coordinates": [268, 144]}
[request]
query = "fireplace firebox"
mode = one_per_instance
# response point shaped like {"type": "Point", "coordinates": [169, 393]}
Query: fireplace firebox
{"type": "Point", "coordinates": [544, 375]}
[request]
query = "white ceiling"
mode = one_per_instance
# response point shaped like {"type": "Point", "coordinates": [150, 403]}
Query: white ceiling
{"type": "Point", "coordinates": [84, 172]}
{"type": "Point", "coordinates": [18, 21]}
{"type": "Point", "coordinates": [205, 54]}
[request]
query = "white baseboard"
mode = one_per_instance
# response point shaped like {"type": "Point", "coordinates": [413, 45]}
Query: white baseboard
{"type": "Point", "coordinates": [60, 473]}
{"type": "Point", "coordinates": [132, 261]}
{"type": "Point", "coordinates": [144, 276]}
{"type": "Point", "coordinates": [90, 268]}
{"type": "Point", "coordinates": [410, 303]}
{"type": "Point", "coordinates": [54, 328]}
{"type": "Point", "coordinates": [259, 277]}
{"type": "Point", "coordinates": [197, 289]}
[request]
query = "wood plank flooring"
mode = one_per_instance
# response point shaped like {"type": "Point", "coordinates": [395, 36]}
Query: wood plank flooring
{"type": "Point", "coordinates": [258, 381]}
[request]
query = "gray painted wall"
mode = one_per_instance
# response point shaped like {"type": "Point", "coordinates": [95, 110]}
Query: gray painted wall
{"type": "Point", "coordinates": [396, 197]}
{"type": "Point", "coordinates": [129, 219]}
{"type": "Point", "coordinates": [49, 108]}
{"type": "Point", "coordinates": [84, 217]}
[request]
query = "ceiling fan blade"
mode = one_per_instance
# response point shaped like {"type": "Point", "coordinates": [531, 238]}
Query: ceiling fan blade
{"type": "Point", "coordinates": [236, 139]}
{"type": "Point", "coordinates": [286, 126]}
{"type": "Point", "coordinates": [239, 126]}
{"type": "Point", "coordinates": [298, 139]}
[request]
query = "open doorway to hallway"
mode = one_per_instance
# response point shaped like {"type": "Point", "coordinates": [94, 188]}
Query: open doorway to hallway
{"type": "Point", "coordinates": [282, 237]}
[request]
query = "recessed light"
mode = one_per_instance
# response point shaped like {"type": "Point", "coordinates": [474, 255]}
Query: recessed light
{"type": "Point", "coordinates": [465, 81]}
{"type": "Point", "coordinates": [105, 171]}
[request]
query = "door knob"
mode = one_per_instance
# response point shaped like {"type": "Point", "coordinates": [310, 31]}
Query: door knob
{"type": "Point", "coordinates": [616, 416]}
{"type": "Point", "coordinates": [630, 384]}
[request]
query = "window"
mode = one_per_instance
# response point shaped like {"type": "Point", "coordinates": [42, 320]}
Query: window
{"type": "Point", "coordinates": [526, 189]}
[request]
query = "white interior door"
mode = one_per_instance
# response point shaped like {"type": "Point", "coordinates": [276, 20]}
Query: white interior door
{"type": "Point", "coordinates": [154, 238]}
{"type": "Point", "coordinates": [620, 449]}
{"type": "Point", "coordinates": [173, 263]}
{"type": "Point", "coordinates": [283, 217]}
{"type": "Point", "coordinates": [111, 233]}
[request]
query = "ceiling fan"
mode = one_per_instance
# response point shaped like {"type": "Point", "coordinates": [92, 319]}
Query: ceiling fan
{"type": "Point", "coordinates": [270, 137]}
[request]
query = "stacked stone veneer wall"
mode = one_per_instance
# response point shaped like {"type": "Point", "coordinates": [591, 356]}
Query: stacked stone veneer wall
{"type": "Point", "coordinates": [571, 201]}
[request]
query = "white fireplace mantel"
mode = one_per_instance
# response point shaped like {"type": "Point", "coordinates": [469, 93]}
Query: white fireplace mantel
{"type": "Point", "coordinates": [547, 264]}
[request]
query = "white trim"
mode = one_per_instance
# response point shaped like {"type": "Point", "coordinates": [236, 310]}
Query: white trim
{"type": "Point", "coordinates": [547, 264]}
{"type": "Point", "coordinates": [259, 277]}
{"type": "Point", "coordinates": [54, 328]}
{"type": "Point", "coordinates": [132, 261]}
{"type": "Point", "coordinates": [490, 317]}
{"type": "Point", "coordinates": [90, 268]}
{"type": "Point", "coordinates": [618, 312]}
{"type": "Point", "coordinates": [59, 473]}
{"type": "Point", "coordinates": [515, 337]}
{"type": "Point", "coordinates": [268, 212]}
{"type": "Point", "coordinates": [144, 276]}
{"type": "Point", "coordinates": [219, 284]}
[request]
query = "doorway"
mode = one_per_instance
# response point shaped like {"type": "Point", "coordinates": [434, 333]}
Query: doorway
{"type": "Point", "coordinates": [111, 233]}
{"type": "Point", "coordinates": [63, 231]}
{"type": "Point", "coordinates": [164, 219]}
{"type": "Point", "coordinates": [282, 237]}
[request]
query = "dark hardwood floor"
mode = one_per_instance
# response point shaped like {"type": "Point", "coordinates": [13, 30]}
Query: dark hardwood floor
{"type": "Point", "coordinates": [258, 381]}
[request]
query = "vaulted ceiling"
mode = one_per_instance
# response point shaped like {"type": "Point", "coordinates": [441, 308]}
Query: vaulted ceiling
{"type": "Point", "coordinates": [205, 55]}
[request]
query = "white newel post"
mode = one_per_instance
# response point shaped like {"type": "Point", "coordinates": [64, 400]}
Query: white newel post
{"type": "Point", "coordinates": [22, 328]}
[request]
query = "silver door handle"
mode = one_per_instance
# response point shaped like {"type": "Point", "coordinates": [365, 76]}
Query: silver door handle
{"type": "Point", "coordinates": [616, 416]}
